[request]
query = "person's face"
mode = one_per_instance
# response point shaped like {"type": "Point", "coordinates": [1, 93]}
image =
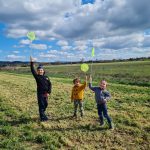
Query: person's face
{"type": "Point", "coordinates": [40, 71]}
{"type": "Point", "coordinates": [103, 85]}
{"type": "Point", "coordinates": [77, 82]}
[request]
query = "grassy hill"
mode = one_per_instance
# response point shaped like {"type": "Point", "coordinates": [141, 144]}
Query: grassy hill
{"type": "Point", "coordinates": [129, 108]}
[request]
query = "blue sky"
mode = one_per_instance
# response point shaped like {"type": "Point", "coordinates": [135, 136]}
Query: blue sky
{"type": "Point", "coordinates": [67, 30]}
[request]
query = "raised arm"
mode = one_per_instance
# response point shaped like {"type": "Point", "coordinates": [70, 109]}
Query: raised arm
{"type": "Point", "coordinates": [90, 84]}
{"type": "Point", "coordinates": [85, 84]}
{"type": "Point", "coordinates": [32, 67]}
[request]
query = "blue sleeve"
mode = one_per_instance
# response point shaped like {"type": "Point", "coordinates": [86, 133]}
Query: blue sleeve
{"type": "Point", "coordinates": [92, 88]}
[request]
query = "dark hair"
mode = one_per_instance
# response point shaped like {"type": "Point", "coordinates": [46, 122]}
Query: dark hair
{"type": "Point", "coordinates": [76, 79]}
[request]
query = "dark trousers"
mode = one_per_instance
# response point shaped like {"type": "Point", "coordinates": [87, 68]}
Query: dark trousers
{"type": "Point", "coordinates": [102, 111]}
{"type": "Point", "coordinates": [42, 102]}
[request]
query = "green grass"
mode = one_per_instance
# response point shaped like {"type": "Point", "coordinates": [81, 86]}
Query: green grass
{"type": "Point", "coordinates": [133, 73]}
{"type": "Point", "coordinates": [20, 127]}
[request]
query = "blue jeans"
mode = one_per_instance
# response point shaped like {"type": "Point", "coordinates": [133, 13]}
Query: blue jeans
{"type": "Point", "coordinates": [102, 111]}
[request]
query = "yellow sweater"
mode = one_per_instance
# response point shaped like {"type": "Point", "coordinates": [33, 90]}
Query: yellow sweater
{"type": "Point", "coordinates": [78, 92]}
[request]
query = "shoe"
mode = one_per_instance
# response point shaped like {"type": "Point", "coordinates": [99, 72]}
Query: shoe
{"type": "Point", "coordinates": [111, 126]}
{"type": "Point", "coordinates": [74, 116]}
{"type": "Point", "coordinates": [44, 119]}
{"type": "Point", "coordinates": [101, 124]}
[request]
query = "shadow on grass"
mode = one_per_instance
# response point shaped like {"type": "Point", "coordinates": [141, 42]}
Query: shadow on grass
{"type": "Point", "coordinates": [59, 118]}
{"type": "Point", "coordinates": [82, 128]}
{"type": "Point", "coordinates": [20, 121]}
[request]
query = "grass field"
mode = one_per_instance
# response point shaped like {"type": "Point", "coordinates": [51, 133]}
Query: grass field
{"type": "Point", "coordinates": [129, 108]}
{"type": "Point", "coordinates": [133, 72]}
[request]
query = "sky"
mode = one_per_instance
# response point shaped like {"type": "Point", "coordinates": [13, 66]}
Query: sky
{"type": "Point", "coordinates": [67, 30]}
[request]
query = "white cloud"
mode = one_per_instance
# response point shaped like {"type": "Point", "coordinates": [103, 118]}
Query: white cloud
{"type": "Point", "coordinates": [18, 46]}
{"type": "Point", "coordinates": [38, 46]}
{"type": "Point", "coordinates": [80, 48]}
{"type": "Point", "coordinates": [58, 52]}
{"type": "Point", "coordinates": [15, 57]}
{"type": "Point", "coordinates": [62, 43]}
{"type": "Point", "coordinates": [66, 47]}
{"type": "Point", "coordinates": [25, 42]}
{"type": "Point", "coordinates": [102, 19]}
{"type": "Point", "coordinates": [16, 52]}
{"type": "Point", "coordinates": [47, 56]}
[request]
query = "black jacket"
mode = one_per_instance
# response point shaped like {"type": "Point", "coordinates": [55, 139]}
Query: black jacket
{"type": "Point", "coordinates": [43, 83]}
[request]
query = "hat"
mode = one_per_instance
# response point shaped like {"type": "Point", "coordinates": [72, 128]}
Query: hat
{"type": "Point", "coordinates": [40, 67]}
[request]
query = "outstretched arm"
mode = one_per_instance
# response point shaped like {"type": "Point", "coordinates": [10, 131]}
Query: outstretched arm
{"type": "Point", "coordinates": [90, 84]}
{"type": "Point", "coordinates": [85, 84]}
{"type": "Point", "coordinates": [32, 67]}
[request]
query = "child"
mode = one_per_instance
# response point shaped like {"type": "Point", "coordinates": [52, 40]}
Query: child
{"type": "Point", "coordinates": [77, 95]}
{"type": "Point", "coordinates": [43, 89]}
{"type": "Point", "coordinates": [101, 97]}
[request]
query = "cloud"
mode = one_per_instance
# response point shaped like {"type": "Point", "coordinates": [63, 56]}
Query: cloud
{"type": "Point", "coordinates": [47, 56]}
{"type": "Point", "coordinates": [119, 42]}
{"type": "Point", "coordinates": [38, 46]}
{"type": "Point", "coordinates": [25, 42]}
{"type": "Point", "coordinates": [80, 48]}
{"type": "Point", "coordinates": [102, 19]}
{"type": "Point", "coordinates": [18, 46]}
{"type": "Point", "coordinates": [115, 26]}
{"type": "Point", "coordinates": [24, 16]}
{"type": "Point", "coordinates": [16, 52]}
{"type": "Point", "coordinates": [15, 57]}
{"type": "Point", "coordinates": [66, 47]}
{"type": "Point", "coordinates": [62, 43]}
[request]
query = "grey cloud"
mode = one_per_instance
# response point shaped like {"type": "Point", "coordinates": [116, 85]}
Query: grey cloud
{"type": "Point", "coordinates": [110, 24]}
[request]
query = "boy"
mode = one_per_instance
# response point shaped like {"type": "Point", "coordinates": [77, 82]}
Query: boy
{"type": "Point", "coordinates": [77, 95]}
{"type": "Point", "coordinates": [43, 89]}
{"type": "Point", "coordinates": [101, 97]}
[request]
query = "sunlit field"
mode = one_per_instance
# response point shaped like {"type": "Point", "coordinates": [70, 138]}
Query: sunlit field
{"type": "Point", "coordinates": [129, 84]}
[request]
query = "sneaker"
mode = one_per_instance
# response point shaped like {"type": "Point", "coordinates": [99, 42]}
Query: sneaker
{"type": "Point", "coordinates": [44, 119]}
{"type": "Point", "coordinates": [111, 126]}
{"type": "Point", "coordinates": [101, 123]}
{"type": "Point", "coordinates": [74, 116]}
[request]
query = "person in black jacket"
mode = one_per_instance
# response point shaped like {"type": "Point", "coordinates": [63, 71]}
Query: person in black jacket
{"type": "Point", "coordinates": [43, 89]}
